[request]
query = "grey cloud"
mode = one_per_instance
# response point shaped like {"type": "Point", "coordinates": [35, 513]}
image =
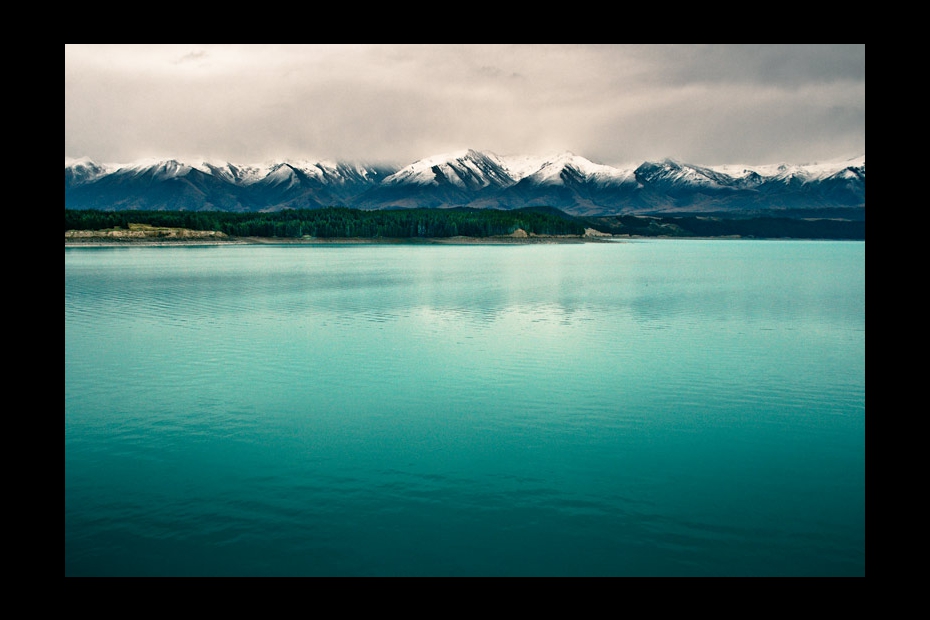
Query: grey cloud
{"type": "Point", "coordinates": [763, 64]}
{"type": "Point", "coordinates": [398, 103]}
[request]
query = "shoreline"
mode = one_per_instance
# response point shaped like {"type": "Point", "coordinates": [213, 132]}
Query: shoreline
{"type": "Point", "coordinates": [110, 242]}
{"type": "Point", "coordinates": [106, 241]}
{"type": "Point", "coordinates": [88, 239]}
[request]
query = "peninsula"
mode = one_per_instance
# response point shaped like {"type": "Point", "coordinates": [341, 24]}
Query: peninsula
{"type": "Point", "coordinates": [143, 234]}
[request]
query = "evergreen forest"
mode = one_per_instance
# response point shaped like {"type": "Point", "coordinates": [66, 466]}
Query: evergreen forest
{"type": "Point", "coordinates": [342, 222]}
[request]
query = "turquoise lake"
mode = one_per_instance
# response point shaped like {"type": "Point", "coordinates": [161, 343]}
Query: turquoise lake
{"type": "Point", "coordinates": [636, 408]}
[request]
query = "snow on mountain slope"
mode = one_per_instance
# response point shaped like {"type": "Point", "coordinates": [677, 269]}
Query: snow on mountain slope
{"type": "Point", "coordinates": [282, 176]}
{"type": "Point", "coordinates": [806, 172]}
{"type": "Point", "coordinates": [550, 173]}
{"type": "Point", "coordinates": [674, 174]}
{"type": "Point", "coordinates": [554, 169]}
{"type": "Point", "coordinates": [521, 166]}
{"type": "Point", "coordinates": [467, 169]}
{"type": "Point", "coordinates": [155, 169]}
{"type": "Point", "coordinates": [85, 170]}
{"type": "Point", "coordinates": [238, 174]}
{"type": "Point", "coordinates": [465, 164]}
{"type": "Point", "coordinates": [347, 173]}
{"type": "Point", "coordinates": [467, 177]}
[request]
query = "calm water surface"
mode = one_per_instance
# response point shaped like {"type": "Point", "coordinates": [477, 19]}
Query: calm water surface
{"type": "Point", "coordinates": [645, 408]}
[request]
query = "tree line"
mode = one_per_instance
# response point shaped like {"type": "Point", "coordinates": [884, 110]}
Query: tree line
{"type": "Point", "coordinates": [342, 222]}
{"type": "Point", "coordinates": [767, 227]}
{"type": "Point", "coordinates": [338, 222]}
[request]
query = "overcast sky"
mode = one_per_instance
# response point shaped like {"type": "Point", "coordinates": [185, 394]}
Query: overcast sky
{"type": "Point", "coordinates": [613, 104]}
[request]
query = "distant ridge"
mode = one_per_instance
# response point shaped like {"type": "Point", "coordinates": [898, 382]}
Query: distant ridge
{"type": "Point", "coordinates": [470, 178]}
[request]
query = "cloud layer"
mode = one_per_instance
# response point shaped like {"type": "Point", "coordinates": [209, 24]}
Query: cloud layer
{"type": "Point", "coordinates": [614, 104]}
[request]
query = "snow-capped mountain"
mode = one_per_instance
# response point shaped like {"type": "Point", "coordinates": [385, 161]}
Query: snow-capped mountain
{"type": "Point", "coordinates": [83, 170]}
{"type": "Point", "coordinates": [469, 178]}
{"type": "Point", "coordinates": [467, 170]}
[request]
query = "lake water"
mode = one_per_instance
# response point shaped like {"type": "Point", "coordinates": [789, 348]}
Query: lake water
{"type": "Point", "coordinates": [639, 408]}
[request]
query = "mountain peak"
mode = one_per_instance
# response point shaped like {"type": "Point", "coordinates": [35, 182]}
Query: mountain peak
{"type": "Point", "coordinates": [467, 177]}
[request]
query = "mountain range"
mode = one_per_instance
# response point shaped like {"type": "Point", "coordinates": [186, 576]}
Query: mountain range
{"type": "Point", "coordinates": [478, 179]}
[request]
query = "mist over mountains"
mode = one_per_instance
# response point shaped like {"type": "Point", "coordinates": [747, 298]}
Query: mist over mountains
{"type": "Point", "coordinates": [476, 179]}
